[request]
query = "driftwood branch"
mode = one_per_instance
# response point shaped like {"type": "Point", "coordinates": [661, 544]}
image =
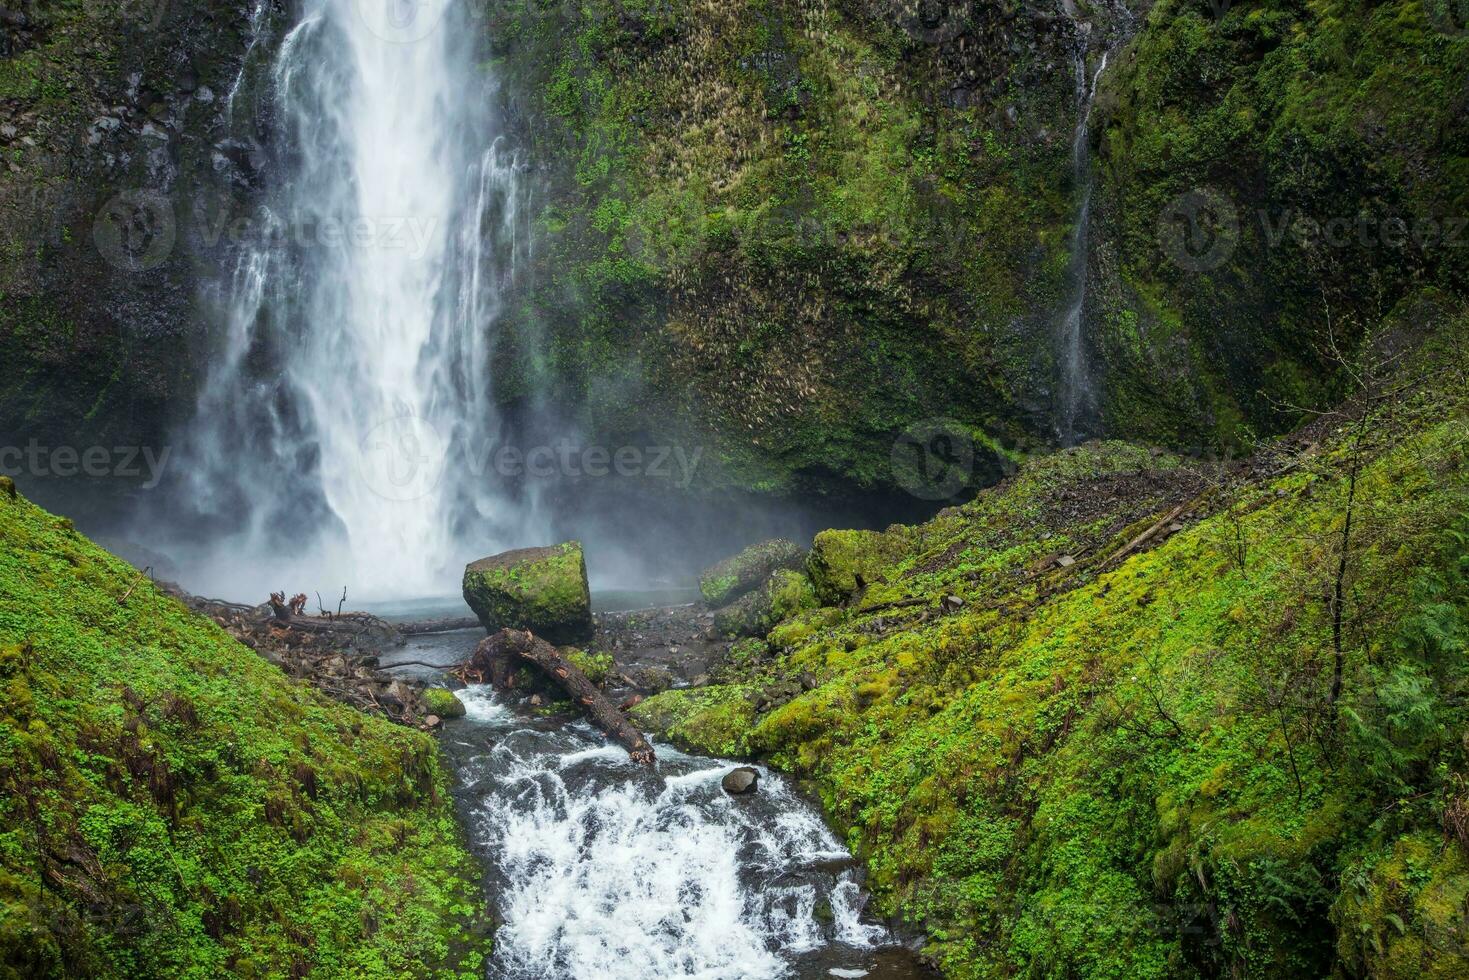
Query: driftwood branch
{"type": "Point", "coordinates": [290, 616]}
{"type": "Point", "coordinates": [1177, 513]}
{"type": "Point", "coordinates": [437, 626]}
{"type": "Point", "coordinates": [495, 660]}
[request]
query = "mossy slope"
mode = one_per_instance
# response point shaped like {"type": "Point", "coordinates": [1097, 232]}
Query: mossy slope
{"type": "Point", "coordinates": [174, 806]}
{"type": "Point", "coordinates": [1067, 759]}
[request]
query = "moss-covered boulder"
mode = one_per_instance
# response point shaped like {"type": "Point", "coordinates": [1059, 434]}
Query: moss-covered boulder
{"type": "Point", "coordinates": [842, 563]}
{"type": "Point", "coordinates": [444, 703]}
{"type": "Point", "coordinates": [736, 576]}
{"type": "Point", "coordinates": [712, 720]}
{"type": "Point", "coordinates": [543, 590]}
{"type": "Point", "coordinates": [755, 613]}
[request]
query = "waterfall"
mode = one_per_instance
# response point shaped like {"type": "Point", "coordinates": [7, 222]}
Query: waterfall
{"type": "Point", "coordinates": [1077, 402]}
{"type": "Point", "coordinates": [338, 427]}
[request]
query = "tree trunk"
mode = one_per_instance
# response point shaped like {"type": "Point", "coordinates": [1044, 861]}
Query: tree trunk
{"type": "Point", "coordinates": [495, 660]}
{"type": "Point", "coordinates": [437, 626]}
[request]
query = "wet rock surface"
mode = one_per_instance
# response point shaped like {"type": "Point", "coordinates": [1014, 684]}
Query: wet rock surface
{"type": "Point", "coordinates": [110, 206]}
{"type": "Point", "coordinates": [656, 649]}
{"type": "Point", "coordinates": [738, 782]}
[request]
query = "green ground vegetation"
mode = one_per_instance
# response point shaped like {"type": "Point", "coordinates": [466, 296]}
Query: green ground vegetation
{"type": "Point", "coordinates": [1236, 746]}
{"type": "Point", "coordinates": [173, 805]}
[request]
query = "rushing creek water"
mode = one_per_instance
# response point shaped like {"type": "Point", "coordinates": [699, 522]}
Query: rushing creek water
{"type": "Point", "coordinates": [599, 868]}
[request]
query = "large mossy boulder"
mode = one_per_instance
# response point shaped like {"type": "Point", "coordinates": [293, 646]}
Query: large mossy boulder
{"type": "Point", "coordinates": [757, 612]}
{"type": "Point", "coordinates": [713, 720]}
{"type": "Point", "coordinates": [736, 576]}
{"type": "Point", "coordinates": [543, 590]}
{"type": "Point", "coordinates": [843, 563]}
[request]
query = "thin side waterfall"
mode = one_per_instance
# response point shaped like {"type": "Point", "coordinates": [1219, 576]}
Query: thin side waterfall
{"type": "Point", "coordinates": [1077, 401]}
{"type": "Point", "coordinates": [337, 429]}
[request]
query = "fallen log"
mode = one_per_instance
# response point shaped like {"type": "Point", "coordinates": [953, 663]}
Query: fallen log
{"type": "Point", "coordinates": [495, 660]}
{"type": "Point", "coordinates": [1176, 514]}
{"type": "Point", "coordinates": [349, 624]}
{"type": "Point", "coordinates": [438, 626]}
{"type": "Point", "coordinates": [350, 627]}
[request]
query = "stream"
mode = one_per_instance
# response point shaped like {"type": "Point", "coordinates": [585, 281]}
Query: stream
{"type": "Point", "coordinates": [599, 868]}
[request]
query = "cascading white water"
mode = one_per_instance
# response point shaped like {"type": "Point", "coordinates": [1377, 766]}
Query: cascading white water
{"type": "Point", "coordinates": [602, 869]}
{"type": "Point", "coordinates": [1078, 396]}
{"type": "Point", "coordinates": [351, 390]}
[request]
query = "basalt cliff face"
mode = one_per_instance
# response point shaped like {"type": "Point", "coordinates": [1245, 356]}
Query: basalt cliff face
{"type": "Point", "coordinates": [122, 178]}
{"type": "Point", "coordinates": [789, 231]}
{"type": "Point", "coordinates": [793, 230]}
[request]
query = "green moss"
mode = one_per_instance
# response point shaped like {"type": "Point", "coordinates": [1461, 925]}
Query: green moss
{"type": "Point", "coordinates": [596, 666]}
{"type": "Point", "coordinates": [784, 594]}
{"type": "Point", "coordinates": [1401, 911]}
{"type": "Point", "coordinates": [738, 575]}
{"type": "Point", "coordinates": [827, 248]}
{"type": "Point", "coordinates": [444, 703]}
{"type": "Point", "coordinates": [712, 720]}
{"type": "Point", "coordinates": [790, 593]}
{"type": "Point", "coordinates": [842, 563]}
{"type": "Point", "coordinates": [1130, 764]}
{"type": "Point", "coordinates": [1265, 106]}
{"type": "Point", "coordinates": [543, 590]}
{"type": "Point", "coordinates": [174, 806]}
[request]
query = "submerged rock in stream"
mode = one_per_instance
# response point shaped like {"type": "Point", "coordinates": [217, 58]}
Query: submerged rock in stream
{"type": "Point", "coordinates": [738, 782]}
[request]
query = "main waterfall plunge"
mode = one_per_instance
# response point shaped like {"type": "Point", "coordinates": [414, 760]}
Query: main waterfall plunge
{"type": "Point", "coordinates": [352, 383]}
